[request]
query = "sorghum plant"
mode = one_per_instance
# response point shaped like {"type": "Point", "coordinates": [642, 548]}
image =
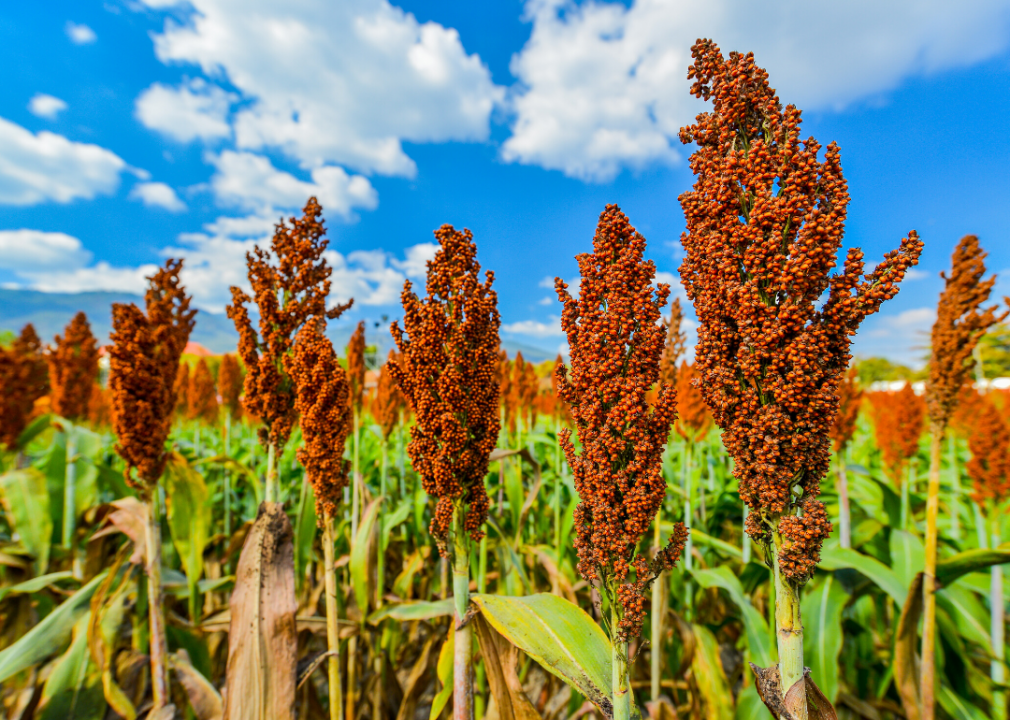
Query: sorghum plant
{"type": "Point", "coordinates": [73, 370]}
{"type": "Point", "coordinates": [24, 380]}
{"type": "Point", "coordinates": [960, 324]}
{"type": "Point", "coordinates": [616, 342]}
{"type": "Point", "coordinates": [290, 282]}
{"type": "Point", "coordinates": [356, 378]}
{"type": "Point", "coordinates": [181, 392]}
{"type": "Point", "coordinates": [143, 362]}
{"type": "Point", "coordinates": [764, 223]}
{"type": "Point", "coordinates": [850, 397]}
{"type": "Point", "coordinates": [449, 357]}
{"type": "Point", "coordinates": [202, 404]}
{"type": "Point", "coordinates": [676, 340]}
{"type": "Point", "coordinates": [229, 382]}
{"type": "Point", "coordinates": [898, 420]}
{"type": "Point", "coordinates": [322, 401]}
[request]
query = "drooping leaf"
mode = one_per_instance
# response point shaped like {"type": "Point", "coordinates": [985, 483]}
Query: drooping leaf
{"type": "Point", "coordinates": [759, 641]}
{"type": "Point", "coordinates": [713, 687]}
{"type": "Point", "coordinates": [73, 691]}
{"type": "Point", "coordinates": [305, 531]}
{"type": "Point", "coordinates": [416, 682]}
{"type": "Point", "coordinates": [203, 697]}
{"type": "Point", "coordinates": [906, 640]}
{"type": "Point", "coordinates": [444, 672]}
{"type": "Point", "coordinates": [262, 639]}
{"type": "Point", "coordinates": [500, 658]}
{"type": "Point", "coordinates": [950, 569]}
{"type": "Point", "coordinates": [821, 610]}
{"type": "Point", "coordinates": [129, 518]}
{"type": "Point", "coordinates": [967, 614]}
{"type": "Point", "coordinates": [835, 558]}
{"type": "Point", "coordinates": [957, 707]}
{"type": "Point", "coordinates": [36, 584]}
{"type": "Point", "coordinates": [557, 634]}
{"type": "Point", "coordinates": [49, 636]}
{"type": "Point", "coordinates": [25, 497]}
{"type": "Point", "coordinates": [408, 611]}
{"type": "Point", "coordinates": [189, 513]}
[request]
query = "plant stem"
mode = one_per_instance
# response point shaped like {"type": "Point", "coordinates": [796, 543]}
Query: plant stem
{"type": "Point", "coordinates": [688, 516]}
{"type": "Point", "coordinates": [156, 617]}
{"type": "Point", "coordinates": [70, 489]}
{"type": "Point", "coordinates": [271, 489]}
{"type": "Point", "coordinates": [462, 671]}
{"type": "Point", "coordinates": [355, 499]}
{"type": "Point", "coordinates": [746, 538]}
{"type": "Point", "coordinates": [844, 517]}
{"type": "Point", "coordinates": [227, 475]}
{"type": "Point", "coordinates": [928, 669]}
{"type": "Point", "coordinates": [332, 628]}
{"type": "Point", "coordinates": [380, 570]}
{"type": "Point", "coordinates": [955, 500]}
{"type": "Point", "coordinates": [557, 490]}
{"type": "Point", "coordinates": [905, 480]}
{"type": "Point", "coordinates": [997, 630]}
{"type": "Point", "coordinates": [656, 645]}
{"type": "Point", "coordinates": [352, 677]}
{"type": "Point", "coordinates": [621, 683]}
{"type": "Point", "coordinates": [788, 629]}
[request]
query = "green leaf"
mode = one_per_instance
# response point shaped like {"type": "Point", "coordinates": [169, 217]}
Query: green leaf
{"type": "Point", "coordinates": [700, 538]}
{"type": "Point", "coordinates": [908, 556]}
{"type": "Point", "coordinates": [50, 635]}
{"type": "Point", "coordinates": [444, 672]}
{"type": "Point", "coordinates": [835, 558]}
{"type": "Point", "coordinates": [26, 499]}
{"type": "Point", "coordinates": [189, 513]}
{"type": "Point", "coordinates": [36, 584]}
{"type": "Point", "coordinates": [405, 612]}
{"type": "Point", "coordinates": [557, 634]}
{"type": "Point", "coordinates": [73, 691]}
{"type": "Point", "coordinates": [394, 518]}
{"type": "Point", "coordinates": [950, 569]}
{"type": "Point", "coordinates": [759, 642]}
{"type": "Point", "coordinates": [706, 667]}
{"type": "Point", "coordinates": [967, 613]}
{"type": "Point", "coordinates": [957, 707]}
{"type": "Point", "coordinates": [361, 554]}
{"type": "Point", "coordinates": [821, 610]}
{"type": "Point", "coordinates": [305, 532]}
{"type": "Point", "coordinates": [749, 705]}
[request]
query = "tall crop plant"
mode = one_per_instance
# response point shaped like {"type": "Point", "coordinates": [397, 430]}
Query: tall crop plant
{"type": "Point", "coordinates": [960, 324]}
{"type": "Point", "coordinates": [616, 341]}
{"type": "Point", "coordinates": [850, 396]}
{"type": "Point", "coordinates": [764, 223]}
{"type": "Point", "coordinates": [449, 356]}
{"type": "Point", "coordinates": [143, 362]}
{"type": "Point", "coordinates": [24, 380]}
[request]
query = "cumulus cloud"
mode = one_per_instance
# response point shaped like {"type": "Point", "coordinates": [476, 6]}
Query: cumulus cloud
{"type": "Point", "coordinates": [415, 263]}
{"type": "Point", "coordinates": [602, 86]}
{"type": "Point", "coordinates": [27, 250]}
{"type": "Point", "coordinates": [80, 34]}
{"type": "Point", "coordinates": [535, 328]}
{"type": "Point", "coordinates": [193, 110]}
{"type": "Point", "coordinates": [46, 106]}
{"type": "Point", "coordinates": [43, 167]}
{"type": "Point", "coordinates": [100, 276]}
{"type": "Point", "coordinates": [251, 182]}
{"type": "Point", "coordinates": [342, 82]}
{"type": "Point", "coordinates": [157, 194]}
{"type": "Point", "coordinates": [901, 336]}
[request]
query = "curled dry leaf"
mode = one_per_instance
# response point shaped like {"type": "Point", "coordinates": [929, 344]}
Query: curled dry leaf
{"type": "Point", "coordinates": [786, 708]}
{"type": "Point", "coordinates": [129, 518]}
{"type": "Point", "coordinates": [204, 699]}
{"type": "Point", "coordinates": [500, 658]}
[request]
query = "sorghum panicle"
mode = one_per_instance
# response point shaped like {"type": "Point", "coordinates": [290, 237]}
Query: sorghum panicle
{"type": "Point", "coordinates": [960, 324]}
{"type": "Point", "coordinates": [181, 391]}
{"type": "Point", "coordinates": [356, 365]}
{"type": "Point", "coordinates": [676, 341]}
{"type": "Point", "coordinates": [616, 341]}
{"type": "Point", "coordinates": [389, 399]}
{"type": "Point", "coordinates": [202, 404]}
{"type": "Point", "coordinates": [73, 369]}
{"type": "Point", "coordinates": [449, 360]}
{"type": "Point", "coordinates": [694, 419]}
{"type": "Point", "coordinates": [24, 380]}
{"type": "Point", "coordinates": [898, 420]}
{"type": "Point", "coordinates": [143, 362]}
{"type": "Point", "coordinates": [229, 382]}
{"type": "Point", "coordinates": [989, 466]}
{"type": "Point", "coordinates": [290, 283]}
{"type": "Point", "coordinates": [850, 397]}
{"type": "Point", "coordinates": [322, 399]}
{"type": "Point", "coordinates": [764, 223]}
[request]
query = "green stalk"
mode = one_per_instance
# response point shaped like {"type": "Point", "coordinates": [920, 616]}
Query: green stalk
{"type": "Point", "coordinates": [462, 690]}
{"type": "Point", "coordinates": [688, 516]}
{"type": "Point", "coordinates": [905, 480]}
{"type": "Point", "coordinates": [156, 615]}
{"type": "Point", "coordinates": [227, 475]}
{"type": "Point", "coordinates": [656, 645]}
{"type": "Point", "coordinates": [927, 678]}
{"type": "Point", "coordinates": [557, 491]}
{"type": "Point", "coordinates": [955, 501]}
{"type": "Point", "coordinates": [380, 571]}
{"type": "Point", "coordinates": [621, 682]}
{"type": "Point", "coordinates": [332, 628]}
{"type": "Point", "coordinates": [746, 538]}
{"type": "Point", "coordinates": [997, 630]}
{"type": "Point", "coordinates": [788, 629]}
{"type": "Point", "coordinates": [355, 499]}
{"type": "Point", "coordinates": [70, 489]}
{"type": "Point", "coordinates": [844, 517]}
{"type": "Point", "coordinates": [271, 489]}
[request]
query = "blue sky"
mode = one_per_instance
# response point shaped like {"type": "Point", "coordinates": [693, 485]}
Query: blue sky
{"type": "Point", "coordinates": [133, 130]}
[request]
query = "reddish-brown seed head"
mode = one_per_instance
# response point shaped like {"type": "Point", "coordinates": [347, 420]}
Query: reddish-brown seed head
{"type": "Point", "coordinates": [898, 419]}
{"type": "Point", "coordinates": [356, 365]}
{"type": "Point", "coordinates": [989, 467]}
{"type": "Point", "coordinates": [202, 403]}
{"type": "Point", "coordinates": [229, 382]}
{"type": "Point", "coordinates": [24, 380]}
{"type": "Point", "coordinates": [73, 369]}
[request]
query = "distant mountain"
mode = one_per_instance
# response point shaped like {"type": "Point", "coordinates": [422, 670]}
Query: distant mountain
{"type": "Point", "coordinates": [50, 313]}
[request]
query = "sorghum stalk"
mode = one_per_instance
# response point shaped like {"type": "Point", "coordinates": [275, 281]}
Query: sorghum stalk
{"type": "Point", "coordinates": [69, 487]}
{"type": "Point", "coordinates": [765, 221]}
{"type": "Point", "coordinates": [656, 645]}
{"type": "Point", "coordinates": [616, 342]}
{"type": "Point", "coordinates": [960, 324]}
{"type": "Point", "coordinates": [143, 362]}
{"type": "Point", "coordinates": [448, 374]}
{"type": "Point", "coordinates": [997, 631]}
{"type": "Point", "coordinates": [332, 627]}
{"type": "Point", "coordinates": [955, 483]}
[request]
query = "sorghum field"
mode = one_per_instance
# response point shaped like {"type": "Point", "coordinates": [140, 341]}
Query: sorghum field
{"type": "Point", "coordinates": [298, 530]}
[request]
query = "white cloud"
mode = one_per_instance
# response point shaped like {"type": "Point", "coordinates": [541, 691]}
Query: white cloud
{"type": "Point", "coordinates": [535, 328]}
{"type": "Point", "coordinates": [194, 109]}
{"type": "Point", "coordinates": [27, 250]}
{"type": "Point", "coordinates": [157, 194]}
{"type": "Point", "coordinates": [547, 301]}
{"type": "Point", "coordinates": [415, 263]}
{"type": "Point", "coordinates": [251, 182]}
{"type": "Point", "coordinates": [916, 274]}
{"type": "Point", "coordinates": [604, 87]}
{"type": "Point", "coordinates": [336, 82]}
{"type": "Point", "coordinates": [49, 167]}
{"type": "Point", "coordinates": [902, 337]}
{"type": "Point", "coordinates": [80, 34]}
{"type": "Point", "coordinates": [46, 106]}
{"type": "Point", "coordinates": [547, 282]}
{"type": "Point", "coordinates": [100, 276]}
